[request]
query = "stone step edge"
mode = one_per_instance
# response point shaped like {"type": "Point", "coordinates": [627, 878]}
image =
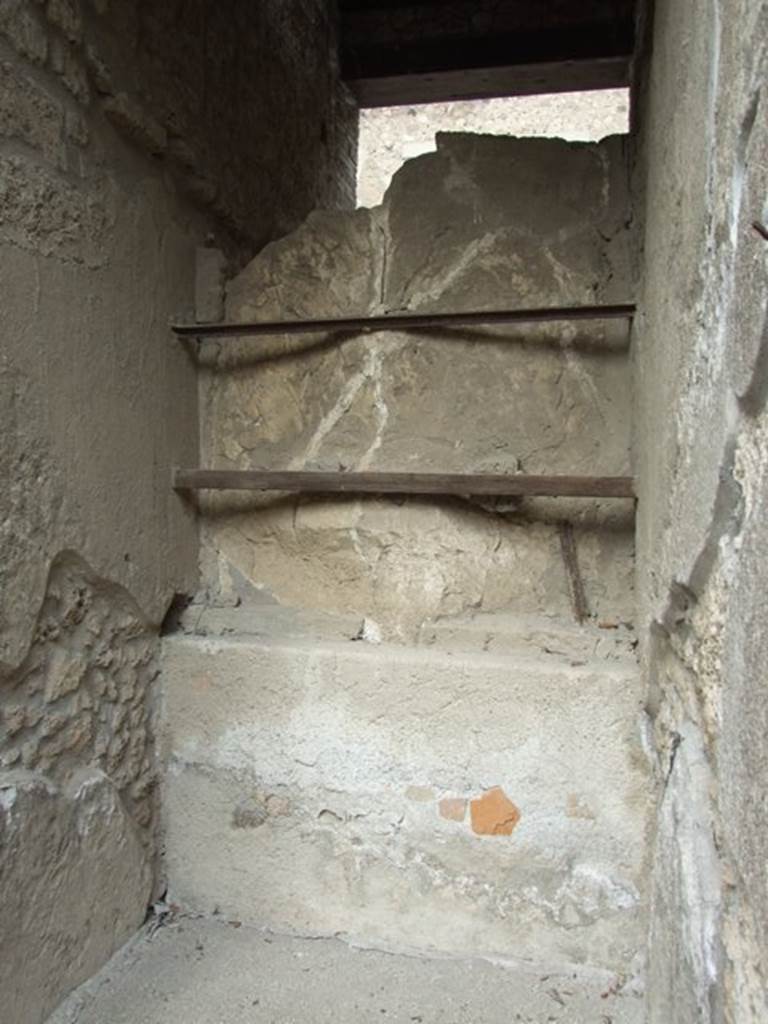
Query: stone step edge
{"type": "Point", "coordinates": [513, 659]}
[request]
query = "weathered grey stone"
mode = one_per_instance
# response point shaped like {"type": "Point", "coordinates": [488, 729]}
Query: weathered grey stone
{"type": "Point", "coordinates": [82, 694]}
{"type": "Point", "coordinates": [701, 469]}
{"type": "Point", "coordinates": [22, 25]}
{"type": "Point", "coordinates": [74, 882]}
{"type": "Point", "coordinates": [31, 115]}
{"type": "Point", "coordinates": [304, 777]}
{"type": "Point", "coordinates": [66, 16]}
{"type": "Point", "coordinates": [198, 970]}
{"type": "Point", "coordinates": [136, 123]}
{"type": "Point", "coordinates": [77, 790]}
{"type": "Point", "coordinates": [68, 64]}
{"type": "Point", "coordinates": [485, 222]}
{"type": "Point", "coordinates": [97, 402]}
{"type": "Point", "coordinates": [75, 476]}
{"type": "Point", "coordinates": [295, 146]}
{"type": "Point", "coordinates": [210, 270]}
{"type": "Point", "coordinates": [81, 480]}
{"type": "Point", "coordinates": [98, 70]}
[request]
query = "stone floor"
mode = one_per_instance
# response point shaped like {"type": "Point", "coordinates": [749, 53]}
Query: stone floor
{"type": "Point", "coordinates": [195, 971]}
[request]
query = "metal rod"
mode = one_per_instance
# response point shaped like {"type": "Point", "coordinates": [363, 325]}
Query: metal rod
{"type": "Point", "coordinates": [460, 484]}
{"type": "Point", "coordinates": [573, 573]}
{"type": "Point", "coordinates": [406, 321]}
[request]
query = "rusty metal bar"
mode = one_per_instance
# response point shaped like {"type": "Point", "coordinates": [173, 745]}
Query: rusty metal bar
{"type": "Point", "coordinates": [459, 484]}
{"type": "Point", "coordinates": [406, 321]}
{"type": "Point", "coordinates": [573, 573]}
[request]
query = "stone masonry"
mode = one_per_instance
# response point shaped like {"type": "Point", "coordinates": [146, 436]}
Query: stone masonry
{"type": "Point", "coordinates": [700, 349]}
{"type": "Point", "coordinates": [380, 720]}
{"type": "Point", "coordinates": [485, 222]}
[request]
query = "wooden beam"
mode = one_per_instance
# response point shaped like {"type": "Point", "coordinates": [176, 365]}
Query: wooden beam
{"type": "Point", "coordinates": [407, 321]}
{"type": "Point", "coordinates": [487, 83]}
{"type": "Point", "coordinates": [396, 52]}
{"type": "Point", "coordinates": [459, 484]}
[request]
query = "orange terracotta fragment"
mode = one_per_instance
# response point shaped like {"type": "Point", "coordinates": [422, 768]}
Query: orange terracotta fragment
{"type": "Point", "coordinates": [454, 808]}
{"type": "Point", "coordinates": [493, 813]}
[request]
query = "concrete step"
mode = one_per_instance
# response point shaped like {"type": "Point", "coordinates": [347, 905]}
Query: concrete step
{"type": "Point", "coordinates": [496, 632]}
{"type": "Point", "coordinates": [505, 633]}
{"type": "Point", "coordinates": [436, 797]}
{"type": "Point", "coordinates": [206, 972]}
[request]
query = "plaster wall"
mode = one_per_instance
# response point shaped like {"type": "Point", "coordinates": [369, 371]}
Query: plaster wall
{"type": "Point", "coordinates": [700, 359]}
{"type": "Point", "coordinates": [484, 222]}
{"type": "Point", "coordinates": [122, 152]}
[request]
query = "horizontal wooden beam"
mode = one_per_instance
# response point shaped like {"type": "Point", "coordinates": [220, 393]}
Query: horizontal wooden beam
{"type": "Point", "coordinates": [410, 51]}
{"type": "Point", "coordinates": [487, 83]}
{"type": "Point", "coordinates": [407, 321]}
{"type": "Point", "coordinates": [459, 484]}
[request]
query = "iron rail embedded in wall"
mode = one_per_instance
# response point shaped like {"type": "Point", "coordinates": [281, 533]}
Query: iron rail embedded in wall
{"type": "Point", "coordinates": [458, 484]}
{"type": "Point", "coordinates": [407, 321]}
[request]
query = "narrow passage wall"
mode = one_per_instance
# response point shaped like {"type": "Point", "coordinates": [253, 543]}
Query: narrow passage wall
{"type": "Point", "coordinates": [129, 135]}
{"type": "Point", "coordinates": [700, 351]}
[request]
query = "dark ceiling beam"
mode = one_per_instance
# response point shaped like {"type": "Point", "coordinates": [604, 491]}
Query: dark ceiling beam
{"type": "Point", "coordinates": [420, 51]}
{"type": "Point", "coordinates": [487, 83]}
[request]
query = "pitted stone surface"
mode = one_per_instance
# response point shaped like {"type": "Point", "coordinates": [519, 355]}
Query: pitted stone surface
{"type": "Point", "coordinates": [75, 879]}
{"type": "Point", "coordinates": [81, 697]}
{"type": "Point", "coordinates": [112, 173]}
{"type": "Point", "coordinates": [483, 223]}
{"type": "Point", "coordinates": [701, 350]}
{"type": "Point", "coordinates": [78, 790]}
{"type": "Point", "coordinates": [118, 160]}
{"type": "Point", "coordinates": [319, 784]}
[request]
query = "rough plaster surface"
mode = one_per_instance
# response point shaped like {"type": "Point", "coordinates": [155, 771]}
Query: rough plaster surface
{"type": "Point", "coordinates": [198, 972]}
{"type": "Point", "coordinates": [391, 135]}
{"type": "Point", "coordinates": [100, 229]}
{"type": "Point", "coordinates": [75, 879]}
{"type": "Point", "coordinates": [112, 174]}
{"type": "Point", "coordinates": [484, 222]}
{"type": "Point", "coordinates": [97, 404]}
{"type": "Point", "coordinates": [77, 790]}
{"type": "Point", "coordinates": [700, 346]}
{"type": "Point", "coordinates": [82, 694]}
{"type": "Point", "coordinates": [306, 773]}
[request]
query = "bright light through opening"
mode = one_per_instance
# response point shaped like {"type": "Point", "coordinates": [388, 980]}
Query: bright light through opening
{"type": "Point", "coordinates": [391, 135]}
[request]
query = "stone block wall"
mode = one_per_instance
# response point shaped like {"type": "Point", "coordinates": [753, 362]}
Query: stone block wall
{"type": "Point", "coordinates": [485, 222]}
{"type": "Point", "coordinates": [700, 345]}
{"type": "Point", "coordinates": [130, 136]}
